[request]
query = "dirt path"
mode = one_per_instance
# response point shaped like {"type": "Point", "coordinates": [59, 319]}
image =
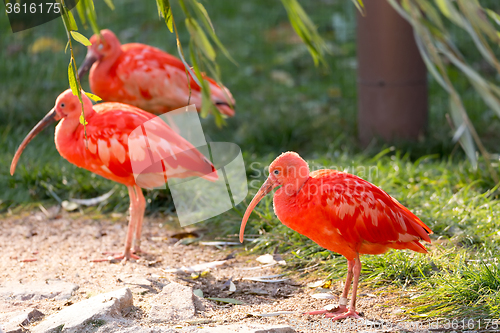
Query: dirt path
{"type": "Point", "coordinates": [64, 245]}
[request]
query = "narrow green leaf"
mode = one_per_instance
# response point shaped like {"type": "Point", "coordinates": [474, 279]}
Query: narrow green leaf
{"type": "Point", "coordinates": [466, 139]}
{"type": "Point", "coordinates": [186, 65]}
{"type": "Point", "coordinates": [72, 79]}
{"type": "Point", "coordinates": [200, 39]}
{"type": "Point", "coordinates": [306, 30]}
{"type": "Point", "coordinates": [83, 121]}
{"type": "Point", "coordinates": [71, 21]}
{"type": "Point", "coordinates": [80, 7]}
{"type": "Point", "coordinates": [443, 7]}
{"type": "Point", "coordinates": [80, 38]}
{"type": "Point", "coordinates": [90, 5]}
{"type": "Point", "coordinates": [91, 15]}
{"type": "Point", "coordinates": [67, 45]}
{"type": "Point", "coordinates": [206, 100]}
{"type": "Point", "coordinates": [110, 4]}
{"type": "Point", "coordinates": [226, 300]}
{"type": "Point", "coordinates": [207, 106]}
{"type": "Point", "coordinates": [360, 6]}
{"type": "Point", "coordinates": [93, 97]}
{"type": "Point", "coordinates": [165, 10]}
{"type": "Point", "coordinates": [204, 12]}
{"type": "Point", "coordinates": [494, 16]}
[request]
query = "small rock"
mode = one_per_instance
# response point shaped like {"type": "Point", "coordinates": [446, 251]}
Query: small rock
{"type": "Point", "coordinates": [173, 303]}
{"type": "Point", "coordinates": [135, 279]}
{"type": "Point", "coordinates": [274, 329]}
{"type": "Point", "coordinates": [115, 327]}
{"type": "Point", "coordinates": [37, 290]}
{"type": "Point", "coordinates": [88, 315]}
{"type": "Point", "coordinates": [137, 283]}
{"type": "Point", "coordinates": [257, 291]}
{"type": "Point", "coordinates": [18, 318]}
{"type": "Point", "coordinates": [244, 328]}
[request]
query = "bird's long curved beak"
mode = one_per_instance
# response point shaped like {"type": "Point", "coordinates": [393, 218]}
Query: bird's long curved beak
{"type": "Point", "coordinates": [264, 189]}
{"type": "Point", "coordinates": [49, 118]}
{"type": "Point", "coordinates": [89, 60]}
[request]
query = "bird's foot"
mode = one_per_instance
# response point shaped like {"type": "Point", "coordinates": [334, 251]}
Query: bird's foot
{"type": "Point", "coordinates": [329, 311]}
{"type": "Point", "coordinates": [348, 314]}
{"type": "Point", "coordinates": [138, 250]}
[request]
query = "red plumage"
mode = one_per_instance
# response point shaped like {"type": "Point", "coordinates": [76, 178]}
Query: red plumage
{"type": "Point", "coordinates": [125, 144]}
{"type": "Point", "coordinates": [340, 212]}
{"type": "Point", "coordinates": [146, 77]}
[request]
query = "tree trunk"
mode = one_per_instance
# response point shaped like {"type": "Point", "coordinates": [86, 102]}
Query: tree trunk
{"type": "Point", "coordinates": [392, 78]}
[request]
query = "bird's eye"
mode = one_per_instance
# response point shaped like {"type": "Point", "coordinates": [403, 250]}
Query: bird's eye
{"type": "Point", "coordinates": [100, 47]}
{"type": "Point", "coordinates": [63, 105]}
{"type": "Point", "coordinates": [276, 172]}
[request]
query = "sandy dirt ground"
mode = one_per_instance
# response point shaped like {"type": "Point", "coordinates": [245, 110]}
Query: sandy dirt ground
{"type": "Point", "coordinates": [65, 243]}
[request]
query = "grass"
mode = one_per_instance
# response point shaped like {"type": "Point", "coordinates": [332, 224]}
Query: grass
{"type": "Point", "coordinates": [283, 103]}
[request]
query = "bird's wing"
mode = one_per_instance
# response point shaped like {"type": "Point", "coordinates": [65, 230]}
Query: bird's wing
{"type": "Point", "coordinates": [160, 79]}
{"type": "Point", "coordinates": [361, 211]}
{"type": "Point", "coordinates": [130, 141]}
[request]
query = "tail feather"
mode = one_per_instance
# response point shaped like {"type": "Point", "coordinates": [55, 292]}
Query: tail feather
{"type": "Point", "coordinates": [414, 246]}
{"type": "Point", "coordinates": [422, 230]}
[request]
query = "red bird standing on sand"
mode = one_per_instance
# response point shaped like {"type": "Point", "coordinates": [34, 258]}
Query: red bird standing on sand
{"type": "Point", "coordinates": [117, 136]}
{"type": "Point", "coordinates": [342, 213]}
{"type": "Point", "coordinates": [144, 76]}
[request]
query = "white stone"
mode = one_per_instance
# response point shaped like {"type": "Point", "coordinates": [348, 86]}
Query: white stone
{"type": "Point", "coordinates": [37, 290]}
{"type": "Point", "coordinates": [88, 315]}
{"type": "Point", "coordinates": [173, 303]}
{"type": "Point", "coordinates": [14, 320]}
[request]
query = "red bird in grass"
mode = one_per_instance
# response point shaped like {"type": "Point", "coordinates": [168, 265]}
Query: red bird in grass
{"type": "Point", "coordinates": [342, 213]}
{"type": "Point", "coordinates": [116, 138]}
{"type": "Point", "coordinates": [144, 76]}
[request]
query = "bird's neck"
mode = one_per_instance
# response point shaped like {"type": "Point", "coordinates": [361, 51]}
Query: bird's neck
{"type": "Point", "coordinates": [69, 126]}
{"type": "Point", "coordinates": [293, 187]}
{"type": "Point", "coordinates": [105, 65]}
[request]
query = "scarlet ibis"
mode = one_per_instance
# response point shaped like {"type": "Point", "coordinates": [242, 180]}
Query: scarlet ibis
{"type": "Point", "coordinates": [342, 213]}
{"type": "Point", "coordinates": [144, 76]}
{"type": "Point", "coordinates": [110, 143]}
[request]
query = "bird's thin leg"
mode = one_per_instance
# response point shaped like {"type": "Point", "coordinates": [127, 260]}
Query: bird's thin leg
{"type": "Point", "coordinates": [141, 207]}
{"type": "Point", "coordinates": [352, 306]}
{"type": "Point", "coordinates": [127, 253]}
{"type": "Point", "coordinates": [342, 307]}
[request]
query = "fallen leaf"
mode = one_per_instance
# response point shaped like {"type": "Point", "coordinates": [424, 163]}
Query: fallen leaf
{"type": "Point", "coordinates": [268, 278]}
{"type": "Point", "coordinates": [316, 284]}
{"type": "Point", "coordinates": [266, 259]}
{"type": "Point", "coordinates": [257, 291]}
{"type": "Point", "coordinates": [69, 206]}
{"type": "Point", "coordinates": [323, 296]}
{"type": "Point", "coordinates": [226, 300]}
{"type": "Point", "coordinates": [94, 201]}
{"type": "Point", "coordinates": [185, 234]}
{"type": "Point", "coordinates": [219, 243]}
{"type": "Point", "coordinates": [198, 292]}
{"type": "Point", "coordinates": [200, 322]}
{"type": "Point", "coordinates": [196, 268]}
{"type": "Point", "coordinates": [270, 314]}
{"type": "Point", "coordinates": [256, 267]}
